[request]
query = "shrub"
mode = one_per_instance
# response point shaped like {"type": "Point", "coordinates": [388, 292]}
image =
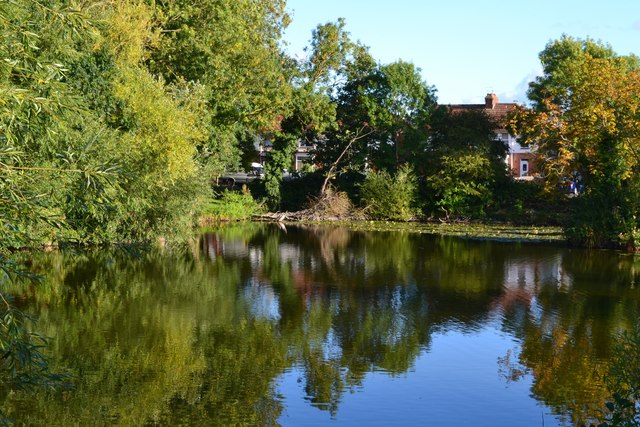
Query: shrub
{"type": "Point", "coordinates": [604, 217]}
{"type": "Point", "coordinates": [462, 185]}
{"type": "Point", "coordinates": [296, 192]}
{"type": "Point", "coordinates": [527, 203]}
{"type": "Point", "coordinates": [390, 197]}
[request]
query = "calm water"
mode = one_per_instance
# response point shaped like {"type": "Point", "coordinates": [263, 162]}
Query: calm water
{"type": "Point", "coordinates": [319, 325]}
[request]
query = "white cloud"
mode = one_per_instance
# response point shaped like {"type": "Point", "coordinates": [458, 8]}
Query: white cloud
{"type": "Point", "coordinates": [519, 92]}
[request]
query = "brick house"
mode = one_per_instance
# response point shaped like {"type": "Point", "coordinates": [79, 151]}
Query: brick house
{"type": "Point", "coordinates": [520, 159]}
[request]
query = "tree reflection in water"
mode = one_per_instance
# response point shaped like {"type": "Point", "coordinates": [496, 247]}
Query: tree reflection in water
{"type": "Point", "coordinates": [201, 337]}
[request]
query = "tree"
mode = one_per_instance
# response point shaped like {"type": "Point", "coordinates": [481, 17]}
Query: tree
{"type": "Point", "coordinates": [464, 163]}
{"type": "Point", "coordinates": [343, 146]}
{"type": "Point", "coordinates": [93, 148]}
{"type": "Point", "coordinates": [33, 98]}
{"type": "Point", "coordinates": [311, 112]}
{"type": "Point", "coordinates": [392, 104]}
{"type": "Point", "coordinates": [233, 49]}
{"type": "Point", "coordinates": [584, 121]}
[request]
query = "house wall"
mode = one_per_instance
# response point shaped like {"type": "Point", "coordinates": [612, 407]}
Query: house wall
{"type": "Point", "coordinates": [516, 154]}
{"type": "Point", "coordinates": [263, 146]}
{"type": "Point", "coordinates": [514, 160]}
{"type": "Point", "coordinates": [515, 147]}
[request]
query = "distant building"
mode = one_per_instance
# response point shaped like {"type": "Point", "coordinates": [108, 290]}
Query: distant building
{"type": "Point", "coordinates": [301, 156]}
{"type": "Point", "coordinates": [519, 158]}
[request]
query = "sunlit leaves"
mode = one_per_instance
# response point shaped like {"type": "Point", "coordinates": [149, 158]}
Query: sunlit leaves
{"type": "Point", "coordinates": [390, 197]}
{"type": "Point", "coordinates": [463, 184]}
{"type": "Point", "coordinates": [233, 49]}
{"type": "Point", "coordinates": [586, 127]}
{"type": "Point", "coordinates": [330, 46]}
{"type": "Point", "coordinates": [163, 135]}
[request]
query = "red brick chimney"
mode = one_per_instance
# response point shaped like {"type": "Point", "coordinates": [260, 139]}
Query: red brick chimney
{"type": "Point", "coordinates": [490, 101]}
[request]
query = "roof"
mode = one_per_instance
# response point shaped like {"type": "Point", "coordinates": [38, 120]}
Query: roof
{"type": "Point", "coordinates": [492, 107]}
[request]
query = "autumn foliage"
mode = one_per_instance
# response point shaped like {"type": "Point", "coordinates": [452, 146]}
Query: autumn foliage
{"type": "Point", "coordinates": [585, 125]}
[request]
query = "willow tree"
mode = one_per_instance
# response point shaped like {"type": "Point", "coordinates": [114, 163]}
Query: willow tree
{"type": "Point", "coordinates": [585, 122]}
{"type": "Point", "coordinates": [93, 148]}
{"type": "Point", "coordinates": [33, 95]}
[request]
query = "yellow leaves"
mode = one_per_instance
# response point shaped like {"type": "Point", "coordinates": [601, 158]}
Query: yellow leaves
{"type": "Point", "coordinates": [590, 122]}
{"type": "Point", "coordinates": [565, 156]}
{"type": "Point", "coordinates": [129, 31]}
{"type": "Point", "coordinates": [165, 133]}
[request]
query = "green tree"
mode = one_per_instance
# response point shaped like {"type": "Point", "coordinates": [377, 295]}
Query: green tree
{"type": "Point", "coordinates": [464, 163]}
{"type": "Point", "coordinates": [386, 108]}
{"type": "Point", "coordinates": [584, 122]}
{"type": "Point", "coordinates": [233, 49]}
{"type": "Point", "coordinates": [462, 185]}
{"type": "Point", "coordinates": [33, 99]}
{"type": "Point", "coordinates": [311, 111]}
{"type": "Point", "coordinates": [93, 148]}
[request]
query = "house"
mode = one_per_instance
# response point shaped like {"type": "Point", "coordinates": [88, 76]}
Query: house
{"type": "Point", "coordinates": [520, 159]}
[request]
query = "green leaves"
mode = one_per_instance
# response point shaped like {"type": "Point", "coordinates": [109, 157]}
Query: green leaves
{"type": "Point", "coordinates": [462, 185]}
{"type": "Point", "coordinates": [623, 380]}
{"type": "Point", "coordinates": [23, 365]}
{"type": "Point", "coordinates": [232, 48]}
{"type": "Point", "coordinates": [391, 104]}
{"type": "Point", "coordinates": [585, 125]}
{"type": "Point", "coordinates": [390, 197]}
{"type": "Point", "coordinates": [330, 47]}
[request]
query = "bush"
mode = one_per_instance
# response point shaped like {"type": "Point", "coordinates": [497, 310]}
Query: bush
{"type": "Point", "coordinates": [390, 197]}
{"type": "Point", "coordinates": [463, 185]}
{"type": "Point", "coordinates": [295, 192]}
{"type": "Point", "coordinates": [527, 203]}
{"type": "Point", "coordinates": [605, 218]}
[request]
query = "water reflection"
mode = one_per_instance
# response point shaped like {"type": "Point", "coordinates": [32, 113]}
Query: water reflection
{"type": "Point", "coordinates": [232, 332]}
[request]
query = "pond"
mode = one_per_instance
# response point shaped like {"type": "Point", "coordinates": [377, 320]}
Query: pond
{"type": "Point", "coordinates": [263, 324]}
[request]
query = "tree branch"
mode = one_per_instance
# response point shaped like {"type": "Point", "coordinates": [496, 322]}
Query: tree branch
{"type": "Point", "coordinates": [359, 135]}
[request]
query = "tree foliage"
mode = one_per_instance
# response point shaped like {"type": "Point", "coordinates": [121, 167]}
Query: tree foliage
{"type": "Point", "coordinates": [387, 107]}
{"type": "Point", "coordinates": [233, 49]}
{"type": "Point", "coordinates": [585, 124]}
{"type": "Point", "coordinates": [462, 185]}
{"type": "Point", "coordinates": [464, 163]}
{"type": "Point", "coordinates": [93, 147]}
{"type": "Point", "coordinates": [116, 115]}
{"type": "Point", "coordinates": [33, 96]}
{"type": "Point", "coordinates": [311, 113]}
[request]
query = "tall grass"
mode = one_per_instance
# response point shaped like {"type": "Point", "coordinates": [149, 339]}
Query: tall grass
{"type": "Point", "coordinates": [231, 206]}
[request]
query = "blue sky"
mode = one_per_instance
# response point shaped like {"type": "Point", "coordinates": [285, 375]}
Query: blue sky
{"type": "Point", "coordinates": [467, 48]}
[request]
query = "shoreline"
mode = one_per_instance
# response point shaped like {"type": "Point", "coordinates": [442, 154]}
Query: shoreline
{"type": "Point", "coordinates": [498, 232]}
